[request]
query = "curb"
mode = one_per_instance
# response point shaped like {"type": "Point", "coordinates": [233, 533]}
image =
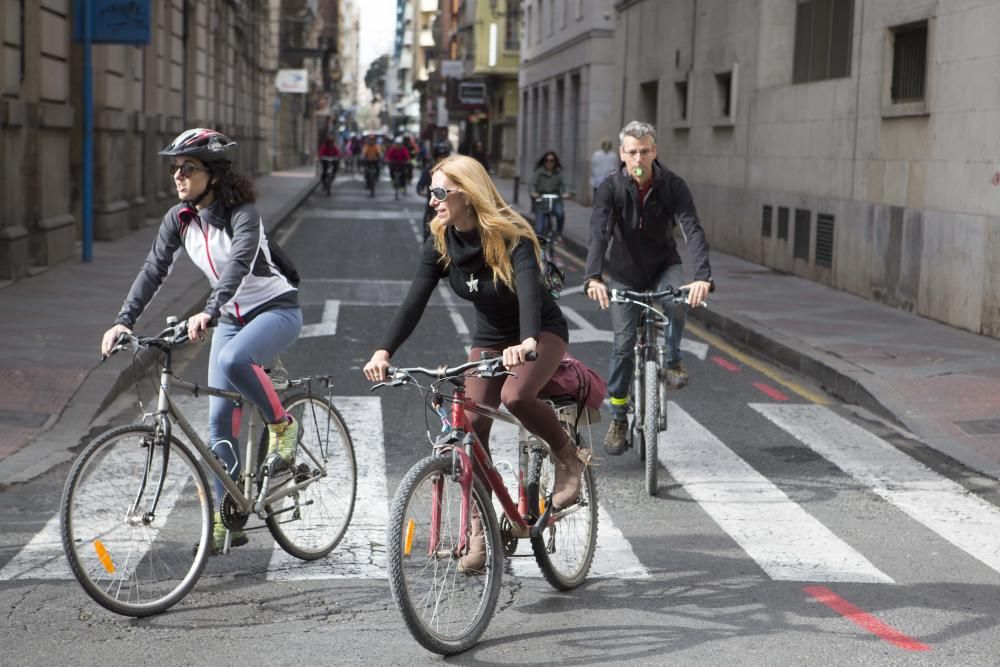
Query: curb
{"type": "Point", "coordinates": [105, 383]}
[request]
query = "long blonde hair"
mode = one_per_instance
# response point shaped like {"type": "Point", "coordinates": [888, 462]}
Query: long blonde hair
{"type": "Point", "coordinates": [500, 227]}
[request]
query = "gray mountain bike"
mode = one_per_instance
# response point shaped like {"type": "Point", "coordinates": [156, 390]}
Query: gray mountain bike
{"type": "Point", "coordinates": [137, 511]}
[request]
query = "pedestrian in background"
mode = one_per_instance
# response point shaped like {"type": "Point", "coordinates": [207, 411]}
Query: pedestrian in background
{"type": "Point", "coordinates": [602, 163]}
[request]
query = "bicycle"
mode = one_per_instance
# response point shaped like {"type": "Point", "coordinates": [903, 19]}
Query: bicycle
{"type": "Point", "coordinates": [649, 384]}
{"type": "Point", "coordinates": [137, 513]}
{"type": "Point", "coordinates": [439, 499]}
{"type": "Point", "coordinates": [546, 204]}
{"type": "Point", "coordinates": [329, 165]}
{"type": "Point", "coordinates": [372, 168]}
{"type": "Point", "coordinates": [397, 174]}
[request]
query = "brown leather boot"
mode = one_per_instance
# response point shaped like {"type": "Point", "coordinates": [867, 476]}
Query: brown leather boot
{"type": "Point", "coordinates": [569, 474]}
{"type": "Point", "coordinates": [474, 562]}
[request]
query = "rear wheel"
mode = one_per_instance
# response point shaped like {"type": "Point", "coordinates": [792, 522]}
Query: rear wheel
{"type": "Point", "coordinates": [565, 550]}
{"type": "Point", "coordinates": [310, 522]}
{"type": "Point", "coordinates": [130, 557]}
{"type": "Point", "coordinates": [445, 609]}
{"type": "Point", "coordinates": [651, 424]}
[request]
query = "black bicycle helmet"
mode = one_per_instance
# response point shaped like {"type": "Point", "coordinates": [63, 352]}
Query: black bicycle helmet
{"type": "Point", "coordinates": [442, 149]}
{"type": "Point", "coordinates": [205, 144]}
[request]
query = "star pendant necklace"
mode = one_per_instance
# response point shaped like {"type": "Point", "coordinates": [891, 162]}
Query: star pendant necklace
{"type": "Point", "coordinates": [472, 283]}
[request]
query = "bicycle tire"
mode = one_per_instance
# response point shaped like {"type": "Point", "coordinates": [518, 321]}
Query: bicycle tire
{"type": "Point", "coordinates": [310, 523]}
{"type": "Point", "coordinates": [136, 566]}
{"type": "Point", "coordinates": [445, 611]}
{"type": "Point", "coordinates": [565, 550]}
{"type": "Point", "coordinates": [651, 424]}
{"type": "Point", "coordinates": [638, 405]}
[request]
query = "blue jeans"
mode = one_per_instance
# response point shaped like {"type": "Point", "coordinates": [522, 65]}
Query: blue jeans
{"type": "Point", "coordinates": [236, 362]}
{"type": "Point", "coordinates": [624, 319]}
{"type": "Point", "coordinates": [557, 211]}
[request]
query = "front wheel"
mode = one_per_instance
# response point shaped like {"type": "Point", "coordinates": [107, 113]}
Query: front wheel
{"type": "Point", "coordinates": [445, 609]}
{"type": "Point", "coordinates": [565, 550]}
{"type": "Point", "coordinates": [310, 522]}
{"type": "Point", "coordinates": [638, 409]}
{"type": "Point", "coordinates": [651, 424]}
{"type": "Point", "coordinates": [130, 557]}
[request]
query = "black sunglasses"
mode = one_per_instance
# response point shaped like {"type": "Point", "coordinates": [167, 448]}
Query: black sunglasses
{"type": "Point", "coordinates": [186, 169]}
{"type": "Point", "coordinates": [441, 193]}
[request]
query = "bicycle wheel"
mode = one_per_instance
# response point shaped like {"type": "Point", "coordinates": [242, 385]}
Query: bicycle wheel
{"type": "Point", "coordinates": [136, 562]}
{"type": "Point", "coordinates": [310, 522]}
{"type": "Point", "coordinates": [638, 406]}
{"type": "Point", "coordinates": [445, 610]}
{"type": "Point", "coordinates": [565, 550]}
{"type": "Point", "coordinates": [651, 424]}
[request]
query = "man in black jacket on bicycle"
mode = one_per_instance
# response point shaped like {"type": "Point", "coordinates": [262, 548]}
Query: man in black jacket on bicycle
{"type": "Point", "coordinates": [635, 211]}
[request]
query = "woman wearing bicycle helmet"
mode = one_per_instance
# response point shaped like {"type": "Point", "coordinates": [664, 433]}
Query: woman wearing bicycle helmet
{"type": "Point", "coordinates": [490, 256]}
{"type": "Point", "coordinates": [254, 304]}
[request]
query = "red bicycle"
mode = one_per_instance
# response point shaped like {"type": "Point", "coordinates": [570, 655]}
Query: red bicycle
{"type": "Point", "coordinates": [443, 512]}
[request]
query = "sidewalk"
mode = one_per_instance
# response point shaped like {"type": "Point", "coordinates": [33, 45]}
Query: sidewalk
{"type": "Point", "coordinates": [939, 383]}
{"type": "Point", "coordinates": [51, 378]}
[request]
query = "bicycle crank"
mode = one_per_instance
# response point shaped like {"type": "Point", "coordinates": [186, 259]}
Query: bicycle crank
{"type": "Point", "coordinates": [232, 517]}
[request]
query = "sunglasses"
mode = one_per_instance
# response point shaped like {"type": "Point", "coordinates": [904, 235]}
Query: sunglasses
{"type": "Point", "coordinates": [550, 159]}
{"type": "Point", "coordinates": [441, 193]}
{"type": "Point", "coordinates": [186, 169]}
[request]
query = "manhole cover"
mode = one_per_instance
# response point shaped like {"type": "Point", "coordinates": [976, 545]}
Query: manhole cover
{"type": "Point", "coordinates": [23, 419]}
{"type": "Point", "coordinates": [980, 426]}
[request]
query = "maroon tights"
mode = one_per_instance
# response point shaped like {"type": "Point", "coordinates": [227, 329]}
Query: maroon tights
{"type": "Point", "coordinates": [520, 394]}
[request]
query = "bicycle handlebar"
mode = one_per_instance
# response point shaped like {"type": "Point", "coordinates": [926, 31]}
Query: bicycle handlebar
{"type": "Point", "coordinates": [676, 295]}
{"type": "Point", "coordinates": [174, 334]}
{"type": "Point", "coordinates": [484, 368]}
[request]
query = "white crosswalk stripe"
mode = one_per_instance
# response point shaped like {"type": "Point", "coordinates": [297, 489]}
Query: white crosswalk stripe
{"type": "Point", "coordinates": [787, 542]}
{"type": "Point", "coordinates": [947, 508]}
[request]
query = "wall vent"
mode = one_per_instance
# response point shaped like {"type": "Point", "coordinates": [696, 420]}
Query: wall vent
{"type": "Point", "coordinates": [824, 240]}
{"type": "Point", "coordinates": [765, 221]}
{"type": "Point", "coordinates": [803, 220]}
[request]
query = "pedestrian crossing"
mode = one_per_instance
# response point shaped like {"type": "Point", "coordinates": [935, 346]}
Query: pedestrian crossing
{"type": "Point", "coordinates": [781, 536]}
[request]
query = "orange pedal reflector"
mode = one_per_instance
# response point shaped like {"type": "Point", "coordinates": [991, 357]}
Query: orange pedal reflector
{"type": "Point", "coordinates": [104, 556]}
{"type": "Point", "coordinates": [410, 526]}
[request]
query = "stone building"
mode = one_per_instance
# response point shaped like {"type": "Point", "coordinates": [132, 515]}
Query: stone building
{"type": "Point", "coordinates": [852, 142]}
{"type": "Point", "coordinates": [209, 63]}
{"type": "Point", "coordinates": [568, 85]}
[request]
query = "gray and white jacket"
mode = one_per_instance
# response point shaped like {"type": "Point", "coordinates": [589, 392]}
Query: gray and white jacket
{"type": "Point", "coordinates": [236, 262]}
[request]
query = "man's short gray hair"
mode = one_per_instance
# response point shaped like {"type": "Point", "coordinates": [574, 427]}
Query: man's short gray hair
{"type": "Point", "coordinates": [637, 129]}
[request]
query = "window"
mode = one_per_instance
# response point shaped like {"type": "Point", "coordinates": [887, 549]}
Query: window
{"type": "Point", "coordinates": [648, 93]}
{"type": "Point", "coordinates": [765, 221]}
{"type": "Point", "coordinates": [723, 94]}
{"type": "Point", "coordinates": [681, 100]}
{"type": "Point", "coordinates": [909, 63]}
{"type": "Point", "coordinates": [803, 222]}
{"type": "Point", "coordinates": [783, 223]}
{"type": "Point", "coordinates": [822, 40]}
{"type": "Point", "coordinates": [512, 31]}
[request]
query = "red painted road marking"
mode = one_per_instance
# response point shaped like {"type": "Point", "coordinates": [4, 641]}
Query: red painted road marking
{"type": "Point", "coordinates": [732, 368]}
{"type": "Point", "coordinates": [864, 620]}
{"type": "Point", "coordinates": [770, 391]}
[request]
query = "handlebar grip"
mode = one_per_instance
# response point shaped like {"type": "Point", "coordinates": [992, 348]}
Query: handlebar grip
{"type": "Point", "coordinates": [531, 356]}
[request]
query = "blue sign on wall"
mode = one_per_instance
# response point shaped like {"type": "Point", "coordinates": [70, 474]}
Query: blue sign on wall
{"type": "Point", "coordinates": [114, 21]}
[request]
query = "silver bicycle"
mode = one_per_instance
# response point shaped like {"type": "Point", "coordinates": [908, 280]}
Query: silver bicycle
{"type": "Point", "coordinates": [137, 511]}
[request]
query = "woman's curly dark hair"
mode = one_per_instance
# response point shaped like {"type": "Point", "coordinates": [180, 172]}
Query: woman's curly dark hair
{"type": "Point", "coordinates": [556, 168]}
{"type": "Point", "coordinates": [231, 188]}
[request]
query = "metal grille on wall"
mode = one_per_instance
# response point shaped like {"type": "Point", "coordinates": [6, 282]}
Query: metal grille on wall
{"type": "Point", "coordinates": [824, 240]}
{"type": "Point", "coordinates": [909, 62]}
{"type": "Point", "coordinates": [765, 221]}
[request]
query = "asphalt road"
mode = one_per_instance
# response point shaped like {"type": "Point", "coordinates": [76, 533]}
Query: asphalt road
{"type": "Point", "coordinates": [787, 529]}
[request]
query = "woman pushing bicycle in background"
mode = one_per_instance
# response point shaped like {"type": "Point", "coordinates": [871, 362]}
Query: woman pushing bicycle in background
{"type": "Point", "coordinates": [254, 303]}
{"type": "Point", "coordinates": [490, 256]}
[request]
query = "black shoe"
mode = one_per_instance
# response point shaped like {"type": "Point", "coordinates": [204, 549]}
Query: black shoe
{"type": "Point", "coordinates": [615, 443]}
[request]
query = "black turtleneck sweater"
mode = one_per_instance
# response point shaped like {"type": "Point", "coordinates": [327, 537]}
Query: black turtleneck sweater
{"type": "Point", "coordinates": [502, 316]}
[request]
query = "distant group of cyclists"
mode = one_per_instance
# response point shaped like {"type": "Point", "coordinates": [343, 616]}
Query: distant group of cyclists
{"type": "Point", "coordinates": [475, 241]}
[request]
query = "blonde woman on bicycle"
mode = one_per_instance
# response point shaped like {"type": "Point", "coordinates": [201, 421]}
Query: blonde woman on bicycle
{"type": "Point", "coordinates": [490, 257]}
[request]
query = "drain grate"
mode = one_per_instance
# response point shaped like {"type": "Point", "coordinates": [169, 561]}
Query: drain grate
{"type": "Point", "coordinates": [980, 426]}
{"type": "Point", "coordinates": [23, 419]}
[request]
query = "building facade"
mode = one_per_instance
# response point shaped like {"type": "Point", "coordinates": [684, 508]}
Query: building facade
{"type": "Point", "coordinates": [210, 63]}
{"type": "Point", "coordinates": [851, 142]}
{"type": "Point", "coordinates": [567, 86]}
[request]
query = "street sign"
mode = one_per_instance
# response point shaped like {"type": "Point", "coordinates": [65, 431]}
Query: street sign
{"type": "Point", "coordinates": [292, 81]}
{"type": "Point", "coordinates": [452, 69]}
{"type": "Point", "coordinates": [113, 21]}
{"type": "Point", "coordinates": [472, 93]}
